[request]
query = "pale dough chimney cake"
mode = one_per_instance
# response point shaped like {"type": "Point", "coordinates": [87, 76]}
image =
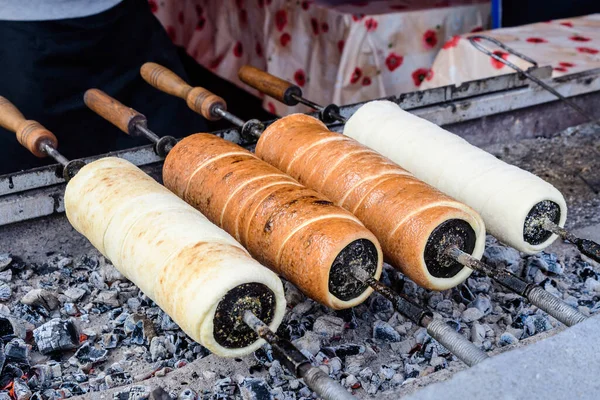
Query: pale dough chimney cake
{"type": "Point", "coordinates": [196, 272]}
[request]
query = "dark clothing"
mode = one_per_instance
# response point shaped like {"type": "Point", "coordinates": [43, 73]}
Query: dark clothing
{"type": "Point", "coordinates": [46, 66]}
{"type": "Point", "coordinates": [519, 12]}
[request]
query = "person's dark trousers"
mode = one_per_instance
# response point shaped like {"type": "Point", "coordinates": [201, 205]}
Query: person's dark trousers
{"type": "Point", "coordinates": [46, 67]}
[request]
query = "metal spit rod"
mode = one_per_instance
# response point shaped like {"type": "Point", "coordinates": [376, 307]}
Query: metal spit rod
{"type": "Point", "coordinates": [535, 294]}
{"type": "Point", "coordinates": [475, 39]}
{"type": "Point", "coordinates": [585, 246]}
{"type": "Point", "coordinates": [295, 361]}
{"type": "Point", "coordinates": [286, 92]}
{"type": "Point", "coordinates": [457, 344]}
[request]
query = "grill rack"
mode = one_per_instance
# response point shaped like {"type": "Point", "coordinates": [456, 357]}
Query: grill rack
{"type": "Point", "coordinates": [464, 109]}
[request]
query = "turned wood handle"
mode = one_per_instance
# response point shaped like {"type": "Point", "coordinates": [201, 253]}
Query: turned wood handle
{"type": "Point", "coordinates": [31, 134]}
{"type": "Point", "coordinates": [113, 111]}
{"type": "Point", "coordinates": [200, 100]}
{"type": "Point", "coordinates": [164, 80]}
{"type": "Point", "coordinates": [270, 85]}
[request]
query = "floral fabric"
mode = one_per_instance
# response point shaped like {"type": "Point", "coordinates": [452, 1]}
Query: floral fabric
{"type": "Point", "coordinates": [568, 45]}
{"type": "Point", "coordinates": [335, 52]}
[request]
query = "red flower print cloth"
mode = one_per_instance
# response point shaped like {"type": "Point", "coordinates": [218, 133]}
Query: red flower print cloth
{"type": "Point", "coordinates": [430, 39]}
{"type": "Point", "coordinates": [421, 75]}
{"type": "Point", "coordinates": [356, 75]}
{"type": "Point", "coordinates": [300, 78]}
{"type": "Point", "coordinates": [568, 46]}
{"type": "Point", "coordinates": [393, 61]}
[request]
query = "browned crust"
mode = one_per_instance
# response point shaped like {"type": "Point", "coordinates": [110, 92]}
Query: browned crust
{"type": "Point", "coordinates": [398, 208]}
{"type": "Point", "coordinates": [293, 230]}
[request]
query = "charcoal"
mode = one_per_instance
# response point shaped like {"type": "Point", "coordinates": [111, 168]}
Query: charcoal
{"type": "Point", "coordinates": [477, 333]}
{"type": "Point", "coordinates": [26, 274]}
{"type": "Point", "coordinates": [187, 394]}
{"type": "Point", "coordinates": [74, 294]}
{"type": "Point", "coordinates": [21, 390]}
{"type": "Point", "coordinates": [120, 316]}
{"type": "Point", "coordinates": [5, 260]}
{"type": "Point", "coordinates": [295, 328]}
{"type": "Point", "coordinates": [5, 291]}
{"type": "Point", "coordinates": [139, 328]}
{"type": "Point", "coordinates": [11, 328]}
{"type": "Point", "coordinates": [35, 316]}
{"type": "Point", "coordinates": [482, 303]}
{"type": "Point", "coordinates": [507, 339]}
{"type": "Point", "coordinates": [224, 388]}
{"type": "Point", "coordinates": [546, 262]}
{"type": "Point", "coordinates": [329, 326]}
{"type": "Point", "coordinates": [110, 274]}
{"type": "Point", "coordinates": [158, 350]}
{"type": "Point", "coordinates": [118, 379]}
{"type": "Point", "coordinates": [134, 303]}
{"type": "Point", "coordinates": [167, 324]}
{"type": "Point", "coordinates": [41, 297]}
{"type": "Point", "coordinates": [385, 332]}
{"type": "Point", "coordinates": [502, 257]}
{"type": "Point", "coordinates": [303, 308]}
{"type": "Point", "coordinates": [110, 340]}
{"type": "Point", "coordinates": [59, 261]}
{"type": "Point", "coordinates": [5, 396]}
{"type": "Point", "coordinates": [48, 371]}
{"type": "Point", "coordinates": [445, 307]}
{"type": "Point", "coordinates": [255, 389]}
{"type": "Point", "coordinates": [386, 372]}
{"type": "Point", "coordinates": [471, 314]}
{"type": "Point", "coordinates": [6, 276]}
{"type": "Point", "coordinates": [109, 298]}
{"type": "Point", "coordinates": [381, 306]}
{"type": "Point", "coordinates": [73, 388]}
{"type": "Point", "coordinates": [56, 335]}
{"type": "Point", "coordinates": [348, 349]}
{"type": "Point", "coordinates": [2, 356]}
{"type": "Point", "coordinates": [159, 394]}
{"type": "Point", "coordinates": [292, 295]}
{"type": "Point", "coordinates": [71, 309]}
{"type": "Point", "coordinates": [404, 347]}
{"type": "Point", "coordinates": [87, 355]}
{"type": "Point", "coordinates": [89, 263]}
{"type": "Point", "coordinates": [335, 365]}
{"type": "Point", "coordinates": [17, 351]}
{"type": "Point", "coordinates": [585, 271]}
{"type": "Point", "coordinates": [96, 280]}
{"type": "Point", "coordinates": [310, 342]}
{"type": "Point", "coordinates": [137, 392]}
{"type": "Point", "coordinates": [278, 375]}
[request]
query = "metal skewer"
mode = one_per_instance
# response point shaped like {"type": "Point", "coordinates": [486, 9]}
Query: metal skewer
{"type": "Point", "coordinates": [35, 138]}
{"type": "Point", "coordinates": [457, 344]}
{"type": "Point", "coordinates": [131, 120]}
{"type": "Point", "coordinates": [314, 377]}
{"type": "Point", "coordinates": [286, 92]}
{"type": "Point", "coordinates": [475, 41]}
{"type": "Point", "coordinates": [585, 246]}
{"type": "Point", "coordinates": [532, 292]}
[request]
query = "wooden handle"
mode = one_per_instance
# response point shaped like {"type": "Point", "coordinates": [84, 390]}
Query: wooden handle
{"type": "Point", "coordinates": [205, 102]}
{"type": "Point", "coordinates": [31, 134]}
{"type": "Point", "coordinates": [270, 85]}
{"type": "Point", "coordinates": [165, 80]}
{"type": "Point", "coordinates": [113, 111]}
{"type": "Point", "coordinates": [198, 99]}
